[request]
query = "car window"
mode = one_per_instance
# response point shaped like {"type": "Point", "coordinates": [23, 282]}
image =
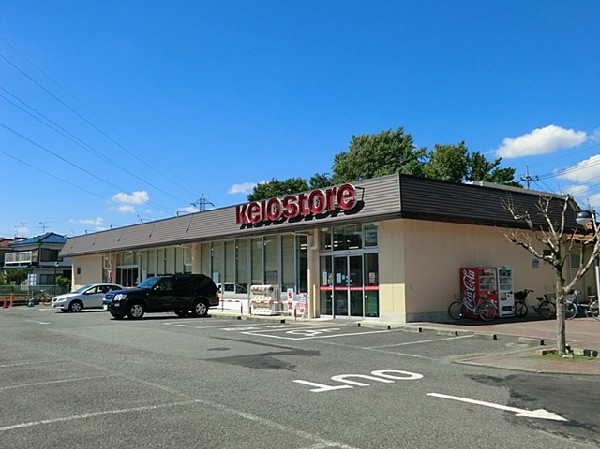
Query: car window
{"type": "Point", "coordinates": [92, 290]}
{"type": "Point", "coordinates": [165, 285]}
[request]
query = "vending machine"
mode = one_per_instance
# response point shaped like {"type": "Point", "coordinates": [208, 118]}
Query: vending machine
{"type": "Point", "coordinates": [476, 284]}
{"type": "Point", "coordinates": [506, 293]}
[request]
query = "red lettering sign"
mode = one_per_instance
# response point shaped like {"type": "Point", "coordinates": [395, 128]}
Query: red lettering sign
{"type": "Point", "coordinates": [315, 202]}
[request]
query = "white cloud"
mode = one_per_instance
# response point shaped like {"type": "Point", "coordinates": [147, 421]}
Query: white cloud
{"type": "Point", "coordinates": [585, 171]}
{"type": "Point", "coordinates": [92, 221]}
{"type": "Point", "coordinates": [243, 188]}
{"type": "Point", "coordinates": [186, 210]}
{"type": "Point", "coordinates": [540, 141]}
{"type": "Point", "coordinates": [125, 208]}
{"type": "Point", "coordinates": [577, 190]}
{"type": "Point", "coordinates": [127, 203]}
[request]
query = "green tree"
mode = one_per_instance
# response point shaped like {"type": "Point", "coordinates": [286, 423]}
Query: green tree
{"type": "Point", "coordinates": [454, 163]}
{"type": "Point", "coordinates": [448, 163]}
{"type": "Point", "coordinates": [320, 180]}
{"type": "Point", "coordinates": [274, 187]}
{"type": "Point", "coordinates": [15, 275]}
{"type": "Point", "coordinates": [480, 169]}
{"type": "Point", "coordinates": [374, 155]}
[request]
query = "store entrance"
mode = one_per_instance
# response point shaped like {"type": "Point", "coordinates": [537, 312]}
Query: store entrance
{"type": "Point", "coordinates": [127, 276]}
{"type": "Point", "coordinates": [347, 289]}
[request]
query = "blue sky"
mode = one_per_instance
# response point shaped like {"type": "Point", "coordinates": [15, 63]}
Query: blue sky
{"type": "Point", "coordinates": [117, 112]}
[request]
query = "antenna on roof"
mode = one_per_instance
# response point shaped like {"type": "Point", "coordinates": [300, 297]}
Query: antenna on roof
{"type": "Point", "coordinates": [201, 203]}
{"type": "Point", "coordinates": [20, 229]}
{"type": "Point", "coordinates": [43, 226]}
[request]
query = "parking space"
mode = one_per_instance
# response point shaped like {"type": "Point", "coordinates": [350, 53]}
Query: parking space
{"type": "Point", "coordinates": [434, 344]}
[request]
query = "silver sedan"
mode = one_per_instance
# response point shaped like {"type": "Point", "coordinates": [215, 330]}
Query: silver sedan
{"type": "Point", "coordinates": [88, 296]}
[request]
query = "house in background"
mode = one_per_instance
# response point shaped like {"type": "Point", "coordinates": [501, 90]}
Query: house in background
{"type": "Point", "coordinates": [4, 248]}
{"type": "Point", "coordinates": [40, 257]}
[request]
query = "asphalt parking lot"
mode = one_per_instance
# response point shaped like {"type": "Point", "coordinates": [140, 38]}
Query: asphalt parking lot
{"type": "Point", "coordinates": [86, 380]}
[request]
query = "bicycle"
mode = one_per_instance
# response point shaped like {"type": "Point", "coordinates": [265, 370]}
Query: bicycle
{"type": "Point", "coordinates": [572, 305]}
{"type": "Point", "coordinates": [485, 309]}
{"type": "Point", "coordinates": [545, 308]}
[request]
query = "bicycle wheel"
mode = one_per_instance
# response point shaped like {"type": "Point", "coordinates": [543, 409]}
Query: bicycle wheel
{"type": "Point", "coordinates": [570, 310]}
{"type": "Point", "coordinates": [487, 310]}
{"type": "Point", "coordinates": [547, 309]}
{"type": "Point", "coordinates": [521, 309]}
{"type": "Point", "coordinates": [456, 310]}
{"type": "Point", "coordinates": [593, 310]}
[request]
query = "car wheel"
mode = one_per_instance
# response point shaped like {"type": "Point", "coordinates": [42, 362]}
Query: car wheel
{"type": "Point", "coordinates": [136, 311]}
{"type": "Point", "coordinates": [200, 308]}
{"type": "Point", "coordinates": [75, 306]}
{"type": "Point", "coordinates": [181, 313]}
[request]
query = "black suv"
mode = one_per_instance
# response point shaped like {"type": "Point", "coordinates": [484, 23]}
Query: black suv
{"type": "Point", "coordinates": [184, 294]}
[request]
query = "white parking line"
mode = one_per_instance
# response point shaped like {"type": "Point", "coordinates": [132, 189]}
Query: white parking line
{"type": "Point", "coordinates": [53, 382]}
{"type": "Point", "coordinates": [418, 342]}
{"type": "Point", "coordinates": [37, 322]}
{"type": "Point", "coordinates": [223, 408]}
{"type": "Point", "coordinates": [12, 365]}
{"type": "Point", "coordinates": [317, 337]}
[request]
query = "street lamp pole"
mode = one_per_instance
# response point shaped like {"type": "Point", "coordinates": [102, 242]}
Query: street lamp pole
{"type": "Point", "coordinates": [54, 279]}
{"type": "Point", "coordinates": [584, 218]}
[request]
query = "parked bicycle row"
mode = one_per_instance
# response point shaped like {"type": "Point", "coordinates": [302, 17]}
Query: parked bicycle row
{"type": "Point", "coordinates": [486, 309]}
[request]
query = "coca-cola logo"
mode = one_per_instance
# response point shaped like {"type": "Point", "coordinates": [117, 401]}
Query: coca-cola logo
{"type": "Point", "coordinates": [468, 283]}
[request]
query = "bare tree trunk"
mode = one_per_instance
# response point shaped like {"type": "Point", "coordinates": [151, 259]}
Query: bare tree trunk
{"type": "Point", "coordinates": [561, 343]}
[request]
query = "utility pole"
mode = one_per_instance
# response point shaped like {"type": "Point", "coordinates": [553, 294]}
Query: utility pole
{"type": "Point", "coordinates": [201, 203]}
{"type": "Point", "coordinates": [527, 178]}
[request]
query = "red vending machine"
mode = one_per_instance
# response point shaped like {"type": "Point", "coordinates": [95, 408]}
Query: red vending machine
{"type": "Point", "coordinates": [476, 284]}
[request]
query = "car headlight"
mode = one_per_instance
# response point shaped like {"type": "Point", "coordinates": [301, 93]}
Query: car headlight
{"type": "Point", "coordinates": [120, 297]}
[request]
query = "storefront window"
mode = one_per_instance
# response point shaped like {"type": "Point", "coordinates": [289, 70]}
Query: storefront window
{"type": "Point", "coordinates": [371, 235]}
{"type": "Point", "coordinates": [160, 261]}
{"type": "Point", "coordinates": [325, 239]}
{"type": "Point", "coordinates": [205, 259]}
{"type": "Point", "coordinates": [187, 258]}
{"type": "Point", "coordinates": [229, 275]}
{"type": "Point", "coordinates": [288, 273]}
{"type": "Point", "coordinates": [270, 258]}
{"type": "Point", "coordinates": [347, 237]}
{"type": "Point", "coordinates": [170, 260]}
{"type": "Point", "coordinates": [216, 261]}
{"type": "Point", "coordinates": [151, 262]}
{"type": "Point", "coordinates": [371, 284]}
{"type": "Point", "coordinates": [301, 264]}
{"type": "Point", "coordinates": [241, 266]}
{"type": "Point", "coordinates": [256, 261]}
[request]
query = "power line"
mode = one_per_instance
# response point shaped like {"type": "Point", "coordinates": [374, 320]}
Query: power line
{"type": "Point", "coordinates": [68, 135]}
{"type": "Point", "coordinates": [93, 125]}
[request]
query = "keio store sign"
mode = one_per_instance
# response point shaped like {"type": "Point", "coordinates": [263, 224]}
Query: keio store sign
{"type": "Point", "coordinates": [315, 203]}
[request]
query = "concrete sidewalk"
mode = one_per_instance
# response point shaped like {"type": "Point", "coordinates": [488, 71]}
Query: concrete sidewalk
{"type": "Point", "coordinates": [582, 335]}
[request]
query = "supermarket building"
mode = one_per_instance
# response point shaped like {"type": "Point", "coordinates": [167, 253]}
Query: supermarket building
{"type": "Point", "coordinates": [387, 249]}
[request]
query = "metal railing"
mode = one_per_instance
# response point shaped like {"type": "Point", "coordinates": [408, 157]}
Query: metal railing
{"type": "Point", "coordinates": [30, 290]}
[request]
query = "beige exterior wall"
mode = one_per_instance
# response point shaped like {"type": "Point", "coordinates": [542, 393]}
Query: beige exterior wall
{"type": "Point", "coordinates": [419, 263]}
{"type": "Point", "coordinates": [86, 270]}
